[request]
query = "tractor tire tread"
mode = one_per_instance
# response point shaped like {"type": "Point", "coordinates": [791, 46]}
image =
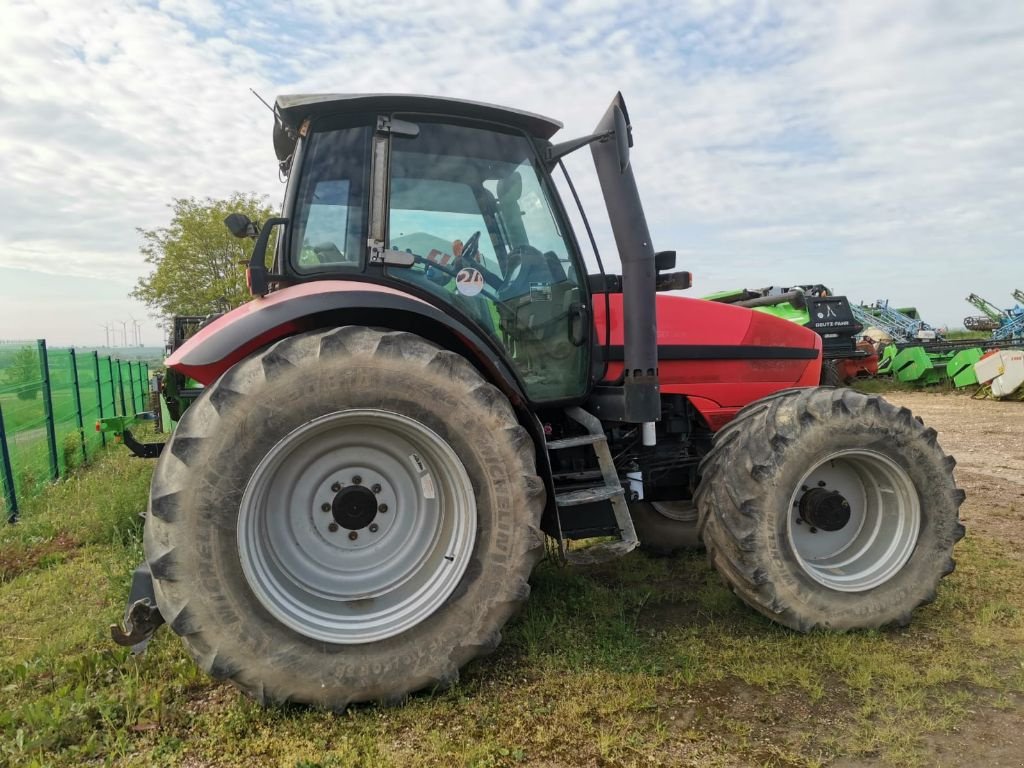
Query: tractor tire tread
{"type": "Point", "coordinates": [329, 675]}
{"type": "Point", "coordinates": [734, 493]}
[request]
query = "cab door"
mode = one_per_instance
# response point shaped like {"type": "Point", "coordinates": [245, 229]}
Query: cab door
{"type": "Point", "coordinates": [474, 209]}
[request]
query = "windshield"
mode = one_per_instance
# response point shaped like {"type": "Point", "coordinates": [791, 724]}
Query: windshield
{"type": "Point", "coordinates": [471, 207]}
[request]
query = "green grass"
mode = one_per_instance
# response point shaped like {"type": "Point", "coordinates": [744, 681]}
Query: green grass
{"type": "Point", "coordinates": [965, 334]}
{"type": "Point", "coordinates": [640, 662]}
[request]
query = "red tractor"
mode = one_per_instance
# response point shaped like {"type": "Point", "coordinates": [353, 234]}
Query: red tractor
{"type": "Point", "coordinates": [427, 382]}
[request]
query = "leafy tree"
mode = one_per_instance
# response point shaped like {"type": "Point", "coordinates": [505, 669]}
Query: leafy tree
{"type": "Point", "coordinates": [198, 265]}
{"type": "Point", "coordinates": [23, 374]}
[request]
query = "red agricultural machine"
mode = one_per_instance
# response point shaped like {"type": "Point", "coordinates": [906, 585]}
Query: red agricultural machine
{"type": "Point", "coordinates": [427, 382]}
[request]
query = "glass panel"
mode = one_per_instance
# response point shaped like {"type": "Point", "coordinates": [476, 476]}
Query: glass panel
{"type": "Point", "coordinates": [471, 206]}
{"type": "Point", "coordinates": [330, 219]}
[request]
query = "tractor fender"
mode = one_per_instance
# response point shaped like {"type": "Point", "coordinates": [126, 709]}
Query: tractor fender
{"type": "Point", "coordinates": [317, 304]}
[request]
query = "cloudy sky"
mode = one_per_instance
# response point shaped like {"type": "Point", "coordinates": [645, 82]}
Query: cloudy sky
{"type": "Point", "coordinates": [876, 147]}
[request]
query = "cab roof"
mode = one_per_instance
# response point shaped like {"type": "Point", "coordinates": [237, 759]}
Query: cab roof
{"type": "Point", "coordinates": [292, 110]}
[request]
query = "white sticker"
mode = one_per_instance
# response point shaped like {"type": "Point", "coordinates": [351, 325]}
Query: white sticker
{"type": "Point", "coordinates": [469, 281]}
{"type": "Point", "coordinates": [427, 483]}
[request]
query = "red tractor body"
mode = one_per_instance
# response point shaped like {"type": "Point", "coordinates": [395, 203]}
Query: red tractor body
{"type": "Point", "coordinates": [428, 380]}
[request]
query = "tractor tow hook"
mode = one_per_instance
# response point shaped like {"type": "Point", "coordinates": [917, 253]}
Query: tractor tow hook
{"type": "Point", "coordinates": [142, 617]}
{"type": "Point", "coordinates": [141, 621]}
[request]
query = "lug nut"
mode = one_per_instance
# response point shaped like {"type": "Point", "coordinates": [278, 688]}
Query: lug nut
{"type": "Point", "coordinates": [375, 488]}
{"type": "Point", "coordinates": [332, 527]}
{"type": "Point", "coordinates": [325, 507]}
{"type": "Point", "coordinates": [804, 488]}
{"type": "Point", "coordinates": [821, 483]}
{"type": "Point", "coordinates": [352, 535]}
{"type": "Point", "coordinates": [336, 487]}
{"type": "Point", "coordinates": [356, 480]}
{"type": "Point", "coordinates": [382, 508]}
{"type": "Point", "coordinates": [374, 528]}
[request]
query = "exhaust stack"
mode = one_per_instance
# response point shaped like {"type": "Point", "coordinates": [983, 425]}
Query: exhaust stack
{"type": "Point", "coordinates": [633, 240]}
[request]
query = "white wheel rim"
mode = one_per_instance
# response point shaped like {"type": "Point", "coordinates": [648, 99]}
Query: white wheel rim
{"type": "Point", "coordinates": [881, 532]}
{"type": "Point", "coordinates": [356, 526]}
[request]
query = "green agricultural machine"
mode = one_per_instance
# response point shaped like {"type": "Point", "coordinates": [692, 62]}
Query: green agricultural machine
{"type": "Point", "coordinates": [817, 308]}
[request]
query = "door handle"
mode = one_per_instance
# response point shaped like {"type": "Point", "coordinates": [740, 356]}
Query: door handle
{"type": "Point", "coordinates": [578, 317]}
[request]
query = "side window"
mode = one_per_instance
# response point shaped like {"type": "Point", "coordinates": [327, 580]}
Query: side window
{"type": "Point", "coordinates": [330, 221]}
{"type": "Point", "coordinates": [327, 227]}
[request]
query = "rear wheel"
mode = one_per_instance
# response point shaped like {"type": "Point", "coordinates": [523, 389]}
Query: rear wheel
{"type": "Point", "coordinates": [350, 515]}
{"type": "Point", "coordinates": [830, 508]}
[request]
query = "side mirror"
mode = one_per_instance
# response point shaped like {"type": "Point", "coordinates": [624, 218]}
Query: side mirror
{"type": "Point", "coordinates": [241, 225]}
{"type": "Point", "coordinates": [664, 261]}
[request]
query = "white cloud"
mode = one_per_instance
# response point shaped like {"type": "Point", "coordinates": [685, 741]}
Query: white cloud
{"type": "Point", "coordinates": [874, 147]}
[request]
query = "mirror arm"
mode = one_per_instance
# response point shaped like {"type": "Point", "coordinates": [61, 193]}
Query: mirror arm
{"type": "Point", "coordinates": [556, 152]}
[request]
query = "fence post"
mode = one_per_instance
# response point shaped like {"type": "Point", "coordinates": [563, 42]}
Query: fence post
{"type": "Point", "coordinates": [10, 492]}
{"type": "Point", "coordinates": [132, 367]}
{"type": "Point", "coordinates": [99, 393]}
{"type": "Point", "coordinates": [51, 434]}
{"type": "Point", "coordinates": [78, 403]}
{"type": "Point", "coordinates": [120, 385]}
{"type": "Point", "coordinates": [113, 383]}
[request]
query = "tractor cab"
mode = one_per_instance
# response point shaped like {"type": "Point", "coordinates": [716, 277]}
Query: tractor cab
{"type": "Point", "coordinates": [460, 213]}
{"type": "Point", "coordinates": [452, 202]}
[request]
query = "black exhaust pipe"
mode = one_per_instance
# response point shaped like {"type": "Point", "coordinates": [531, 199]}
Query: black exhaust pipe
{"type": "Point", "coordinates": [633, 240]}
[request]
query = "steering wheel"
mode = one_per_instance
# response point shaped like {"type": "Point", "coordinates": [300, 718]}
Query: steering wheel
{"type": "Point", "coordinates": [469, 251]}
{"type": "Point", "coordinates": [470, 248]}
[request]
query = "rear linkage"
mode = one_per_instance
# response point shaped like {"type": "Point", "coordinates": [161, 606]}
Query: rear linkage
{"type": "Point", "coordinates": [141, 618]}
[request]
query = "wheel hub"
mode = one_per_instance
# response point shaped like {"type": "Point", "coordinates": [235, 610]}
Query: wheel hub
{"type": "Point", "coordinates": [356, 526]}
{"type": "Point", "coordinates": [855, 520]}
{"type": "Point", "coordinates": [354, 507]}
{"type": "Point", "coordinates": [823, 509]}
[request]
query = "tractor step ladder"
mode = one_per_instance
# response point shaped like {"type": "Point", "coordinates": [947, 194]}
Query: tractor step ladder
{"type": "Point", "coordinates": [607, 487]}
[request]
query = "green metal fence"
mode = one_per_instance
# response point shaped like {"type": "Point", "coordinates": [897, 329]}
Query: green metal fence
{"type": "Point", "coordinates": [50, 400]}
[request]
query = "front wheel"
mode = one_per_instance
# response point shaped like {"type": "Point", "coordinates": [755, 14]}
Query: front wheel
{"type": "Point", "coordinates": [349, 515]}
{"type": "Point", "coordinates": [830, 508]}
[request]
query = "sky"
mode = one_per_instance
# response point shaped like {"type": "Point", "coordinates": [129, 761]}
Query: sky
{"type": "Point", "coordinates": [872, 146]}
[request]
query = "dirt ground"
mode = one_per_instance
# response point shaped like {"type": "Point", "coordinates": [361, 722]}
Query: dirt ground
{"type": "Point", "coordinates": [987, 439]}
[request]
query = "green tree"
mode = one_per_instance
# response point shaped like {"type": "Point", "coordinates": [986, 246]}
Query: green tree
{"type": "Point", "coordinates": [198, 265]}
{"type": "Point", "coordinates": [23, 375]}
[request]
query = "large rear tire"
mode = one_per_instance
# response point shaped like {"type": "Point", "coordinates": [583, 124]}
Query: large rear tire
{"type": "Point", "coordinates": [349, 515]}
{"type": "Point", "coordinates": [829, 508]}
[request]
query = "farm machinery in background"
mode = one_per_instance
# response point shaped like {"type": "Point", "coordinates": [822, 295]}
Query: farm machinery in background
{"type": "Point", "coordinates": [903, 325]}
{"type": "Point", "coordinates": [991, 316]}
{"type": "Point", "coordinates": [1005, 324]}
{"type": "Point", "coordinates": [844, 356]}
{"type": "Point", "coordinates": [916, 353]}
